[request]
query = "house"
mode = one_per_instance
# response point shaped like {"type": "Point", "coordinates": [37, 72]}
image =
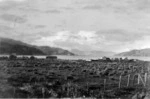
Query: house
{"type": "Point", "coordinates": [32, 57]}
{"type": "Point", "coordinates": [13, 57]}
{"type": "Point", "coordinates": [106, 59]}
{"type": "Point", "coordinates": [51, 57]}
{"type": "Point", "coordinates": [96, 60]}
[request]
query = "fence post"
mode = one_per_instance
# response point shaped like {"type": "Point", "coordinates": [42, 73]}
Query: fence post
{"type": "Point", "coordinates": [104, 84]}
{"type": "Point", "coordinates": [142, 70]}
{"type": "Point", "coordinates": [145, 76]}
{"type": "Point", "coordinates": [142, 80]}
{"type": "Point", "coordinates": [120, 81]}
{"type": "Point", "coordinates": [43, 92]}
{"type": "Point", "coordinates": [128, 80]}
{"type": "Point", "coordinates": [138, 79]}
{"type": "Point", "coordinates": [14, 92]}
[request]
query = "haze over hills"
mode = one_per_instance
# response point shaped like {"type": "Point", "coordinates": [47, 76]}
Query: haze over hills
{"type": "Point", "coordinates": [9, 46]}
{"type": "Point", "coordinates": [54, 51]}
{"type": "Point", "coordinates": [141, 52]}
{"type": "Point", "coordinates": [93, 53]}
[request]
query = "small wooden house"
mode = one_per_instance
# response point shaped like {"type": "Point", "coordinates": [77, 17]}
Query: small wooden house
{"type": "Point", "coordinates": [106, 59]}
{"type": "Point", "coordinates": [32, 57]}
{"type": "Point", "coordinates": [13, 57]}
{"type": "Point", "coordinates": [51, 57]}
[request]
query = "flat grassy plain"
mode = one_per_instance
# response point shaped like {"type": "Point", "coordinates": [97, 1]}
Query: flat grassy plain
{"type": "Point", "coordinates": [41, 78]}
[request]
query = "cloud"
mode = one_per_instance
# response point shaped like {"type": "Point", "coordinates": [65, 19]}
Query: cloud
{"type": "Point", "coordinates": [12, 0]}
{"type": "Point", "coordinates": [122, 40]}
{"type": "Point", "coordinates": [115, 25]}
{"type": "Point", "coordinates": [119, 35]}
{"type": "Point", "coordinates": [3, 27]}
{"type": "Point", "coordinates": [118, 6]}
{"type": "Point", "coordinates": [13, 18]}
{"type": "Point", "coordinates": [108, 40]}
{"type": "Point", "coordinates": [40, 26]}
{"type": "Point", "coordinates": [6, 5]}
{"type": "Point", "coordinates": [6, 31]}
{"type": "Point", "coordinates": [53, 11]}
{"type": "Point", "coordinates": [29, 9]}
{"type": "Point", "coordinates": [68, 40]}
{"type": "Point", "coordinates": [93, 7]}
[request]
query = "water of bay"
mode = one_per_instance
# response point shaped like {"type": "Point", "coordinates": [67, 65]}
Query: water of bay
{"type": "Point", "coordinates": [83, 57]}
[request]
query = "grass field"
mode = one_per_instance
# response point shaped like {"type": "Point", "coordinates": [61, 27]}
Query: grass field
{"type": "Point", "coordinates": [41, 78]}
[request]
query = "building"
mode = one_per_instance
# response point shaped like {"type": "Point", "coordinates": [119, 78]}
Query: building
{"type": "Point", "coordinates": [51, 57]}
{"type": "Point", "coordinates": [13, 57]}
{"type": "Point", "coordinates": [106, 59]}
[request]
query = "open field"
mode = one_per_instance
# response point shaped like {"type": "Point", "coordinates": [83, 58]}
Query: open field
{"type": "Point", "coordinates": [41, 78]}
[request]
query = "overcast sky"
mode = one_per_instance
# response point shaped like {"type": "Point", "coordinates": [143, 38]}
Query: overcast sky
{"type": "Point", "coordinates": [108, 25]}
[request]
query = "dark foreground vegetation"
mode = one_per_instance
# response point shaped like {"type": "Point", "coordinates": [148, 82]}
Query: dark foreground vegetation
{"type": "Point", "coordinates": [43, 78]}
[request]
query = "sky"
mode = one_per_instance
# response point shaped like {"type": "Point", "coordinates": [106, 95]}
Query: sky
{"type": "Point", "coordinates": [87, 25]}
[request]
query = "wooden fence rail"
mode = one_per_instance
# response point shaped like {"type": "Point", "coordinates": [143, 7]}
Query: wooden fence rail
{"type": "Point", "coordinates": [130, 80]}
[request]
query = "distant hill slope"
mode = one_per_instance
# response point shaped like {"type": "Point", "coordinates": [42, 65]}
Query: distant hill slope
{"type": "Point", "coordinates": [54, 51]}
{"type": "Point", "coordinates": [9, 46]}
{"type": "Point", "coordinates": [142, 52]}
{"type": "Point", "coordinates": [92, 53]}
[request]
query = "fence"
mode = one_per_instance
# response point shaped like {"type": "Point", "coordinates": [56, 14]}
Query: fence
{"type": "Point", "coordinates": [131, 80]}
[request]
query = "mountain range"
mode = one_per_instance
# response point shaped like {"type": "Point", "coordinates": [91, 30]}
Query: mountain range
{"type": "Point", "coordinates": [141, 52]}
{"type": "Point", "coordinates": [9, 46]}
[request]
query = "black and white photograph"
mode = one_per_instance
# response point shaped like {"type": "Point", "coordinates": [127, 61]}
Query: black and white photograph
{"type": "Point", "coordinates": [75, 49]}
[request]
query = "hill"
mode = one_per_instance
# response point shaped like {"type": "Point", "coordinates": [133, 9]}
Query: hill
{"type": "Point", "coordinates": [9, 46]}
{"type": "Point", "coordinates": [141, 52]}
{"type": "Point", "coordinates": [54, 51]}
